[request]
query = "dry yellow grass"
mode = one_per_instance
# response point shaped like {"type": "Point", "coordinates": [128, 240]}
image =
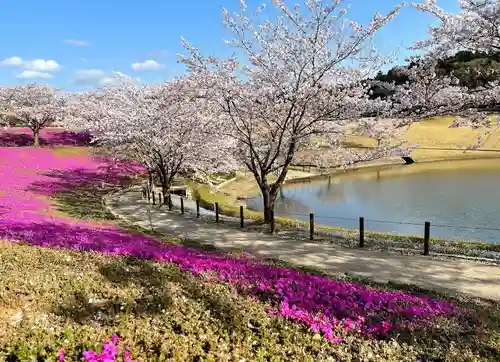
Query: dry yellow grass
{"type": "Point", "coordinates": [70, 151]}
{"type": "Point", "coordinates": [435, 138]}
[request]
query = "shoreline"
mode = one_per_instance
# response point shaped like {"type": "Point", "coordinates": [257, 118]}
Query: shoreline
{"type": "Point", "coordinates": [385, 165]}
{"type": "Point", "coordinates": [374, 240]}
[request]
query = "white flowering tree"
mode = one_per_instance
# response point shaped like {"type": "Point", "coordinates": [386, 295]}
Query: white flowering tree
{"type": "Point", "coordinates": [294, 84]}
{"type": "Point", "coordinates": [163, 126]}
{"type": "Point", "coordinates": [428, 93]}
{"type": "Point", "coordinates": [474, 28]}
{"type": "Point", "coordinates": [36, 106]}
{"type": "Point", "coordinates": [387, 137]}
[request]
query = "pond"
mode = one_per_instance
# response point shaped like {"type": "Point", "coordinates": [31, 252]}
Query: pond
{"type": "Point", "coordinates": [461, 199]}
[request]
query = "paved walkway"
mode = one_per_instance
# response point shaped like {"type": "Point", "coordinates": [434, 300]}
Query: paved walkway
{"type": "Point", "coordinates": [450, 275]}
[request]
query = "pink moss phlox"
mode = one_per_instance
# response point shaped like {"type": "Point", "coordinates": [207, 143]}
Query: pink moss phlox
{"type": "Point", "coordinates": [328, 306]}
{"type": "Point", "coordinates": [60, 355]}
{"type": "Point", "coordinates": [109, 353]}
{"type": "Point", "coordinates": [22, 137]}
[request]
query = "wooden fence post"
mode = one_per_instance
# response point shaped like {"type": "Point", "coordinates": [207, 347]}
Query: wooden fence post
{"type": "Point", "coordinates": [272, 226]}
{"type": "Point", "coordinates": [311, 226]}
{"type": "Point", "coordinates": [182, 205]}
{"type": "Point", "coordinates": [361, 232]}
{"type": "Point", "coordinates": [427, 237]}
{"type": "Point", "coordinates": [154, 200]}
{"type": "Point", "coordinates": [197, 208]}
{"type": "Point", "coordinates": [170, 202]}
{"type": "Point", "coordinates": [159, 198]}
{"type": "Point", "coordinates": [216, 212]}
{"type": "Point", "coordinates": [242, 217]}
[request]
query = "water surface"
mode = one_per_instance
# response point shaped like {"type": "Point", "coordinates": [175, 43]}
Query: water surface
{"type": "Point", "coordinates": [461, 199]}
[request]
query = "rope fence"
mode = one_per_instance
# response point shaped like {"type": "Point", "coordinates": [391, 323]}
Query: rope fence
{"type": "Point", "coordinates": [307, 224]}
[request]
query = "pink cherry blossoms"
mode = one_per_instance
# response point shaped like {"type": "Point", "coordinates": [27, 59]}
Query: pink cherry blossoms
{"type": "Point", "coordinates": [165, 127]}
{"type": "Point", "coordinates": [289, 86]}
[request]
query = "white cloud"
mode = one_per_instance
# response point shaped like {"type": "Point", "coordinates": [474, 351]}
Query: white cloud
{"type": "Point", "coordinates": [92, 77]}
{"type": "Point", "coordinates": [77, 43]}
{"type": "Point", "coordinates": [31, 74]}
{"type": "Point", "coordinates": [97, 78]}
{"type": "Point", "coordinates": [15, 61]}
{"type": "Point", "coordinates": [147, 65]}
{"type": "Point", "coordinates": [40, 65]}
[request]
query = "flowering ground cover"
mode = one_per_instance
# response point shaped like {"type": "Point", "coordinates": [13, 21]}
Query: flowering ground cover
{"type": "Point", "coordinates": [93, 279]}
{"type": "Point", "coordinates": [19, 136]}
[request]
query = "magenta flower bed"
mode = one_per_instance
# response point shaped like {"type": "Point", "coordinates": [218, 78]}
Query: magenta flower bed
{"type": "Point", "coordinates": [327, 306]}
{"type": "Point", "coordinates": [109, 353]}
{"type": "Point", "coordinates": [20, 136]}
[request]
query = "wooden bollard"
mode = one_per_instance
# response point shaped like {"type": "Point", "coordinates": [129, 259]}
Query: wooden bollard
{"type": "Point", "coordinates": [427, 237]}
{"type": "Point", "coordinates": [311, 226]}
{"type": "Point", "coordinates": [361, 232]}
{"type": "Point", "coordinates": [242, 217]}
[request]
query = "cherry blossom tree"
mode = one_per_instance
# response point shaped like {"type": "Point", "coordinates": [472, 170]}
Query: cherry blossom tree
{"type": "Point", "coordinates": [295, 83]}
{"type": "Point", "coordinates": [163, 126]}
{"type": "Point", "coordinates": [428, 94]}
{"type": "Point", "coordinates": [474, 28]}
{"type": "Point", "coordinates": [387, 133]}
{"type": "Point", "coordinates": [472, 119]}
{"type": "Point", "coordinates": [35, 105]}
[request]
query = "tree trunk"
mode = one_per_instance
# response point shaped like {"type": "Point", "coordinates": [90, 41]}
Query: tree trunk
{"type": "Point", "coordinates": [150, 179]}
{"type": "Point", "coordinates": [166, 183]}
{"type": "Point", "coordinates": [36, 138]}
{"type": "Point", "coordinates": [165, 190]}
{"type": "Point", "coordinates": [269, 199]}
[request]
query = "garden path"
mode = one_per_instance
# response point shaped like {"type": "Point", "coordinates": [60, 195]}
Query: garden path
{"type": "Point", "coordinates": [452, 276]}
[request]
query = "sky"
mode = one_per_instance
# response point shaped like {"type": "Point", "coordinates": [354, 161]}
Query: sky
{"type": "Point", "coordinates": [77, 45]}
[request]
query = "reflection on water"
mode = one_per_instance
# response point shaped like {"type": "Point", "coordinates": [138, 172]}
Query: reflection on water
{"type": "Point", "coordinates": [454, 194]}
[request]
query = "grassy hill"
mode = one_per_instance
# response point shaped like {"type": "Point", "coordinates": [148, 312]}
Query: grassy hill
{"type": "Point", "coordinates": [437, 141]}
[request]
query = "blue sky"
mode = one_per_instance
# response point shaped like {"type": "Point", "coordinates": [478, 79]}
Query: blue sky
{"type": "Point", "coordinates": [77, 44]}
